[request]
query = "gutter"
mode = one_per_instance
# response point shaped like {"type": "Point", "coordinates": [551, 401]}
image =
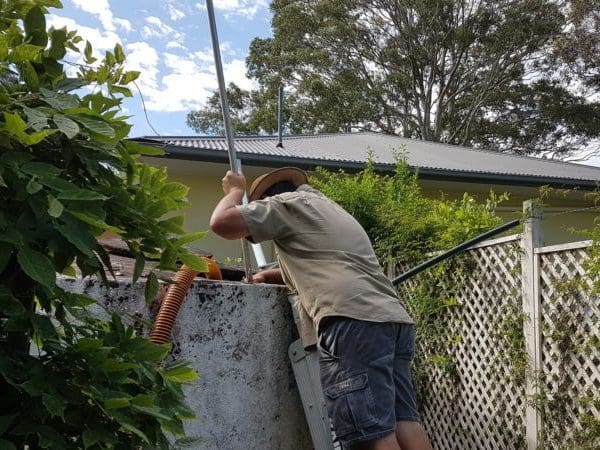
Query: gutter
{"type": "Point", "coordinates": [309, 164]}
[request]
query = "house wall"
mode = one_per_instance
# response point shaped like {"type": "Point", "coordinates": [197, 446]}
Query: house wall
{"type": "Point", "coordinates": [204, 180]}
{"type": "Point", "coordinates": [236, 336]}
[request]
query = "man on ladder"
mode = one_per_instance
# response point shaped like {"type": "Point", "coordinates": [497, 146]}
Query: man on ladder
{"type": "Point", "coordinates": [364, 336]}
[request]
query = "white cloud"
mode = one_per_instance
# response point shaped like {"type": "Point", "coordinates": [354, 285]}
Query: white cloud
{"type": "Point", "coordinates": [174, 13]}
{"type": "Point", "coordinates": [101, 8]}
{"type": "Point", "coordinates": [245, 8]}
{"type": "Point", "coordinates": [181, 83]}
{"type": "Point", "coordinates": [141, 56]}
{"type": "Point", "coordinates": [235, 72]}
{"type": "Point", "coordinates": [157, 28]}
{"type": "Point", "coordinates": [173, 44]}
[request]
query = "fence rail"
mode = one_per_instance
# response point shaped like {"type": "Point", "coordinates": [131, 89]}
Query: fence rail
{"type": "Point", "coordinates": [512, 360]}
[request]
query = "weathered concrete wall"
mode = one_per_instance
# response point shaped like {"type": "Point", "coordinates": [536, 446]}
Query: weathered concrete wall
{"type": "Point", "coordinates": [236, 337]}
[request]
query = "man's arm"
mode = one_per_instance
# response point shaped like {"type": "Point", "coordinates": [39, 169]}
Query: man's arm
{"type": "Point", "coordinates": [271, 276]}
{"type": "Point", "coordinates": [226, 220]}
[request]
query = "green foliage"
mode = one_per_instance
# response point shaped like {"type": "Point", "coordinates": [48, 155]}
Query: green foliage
{"type": "Point", "coordinates": [401, 222]}
{"type": "Point", "coordinates": [67, 175]}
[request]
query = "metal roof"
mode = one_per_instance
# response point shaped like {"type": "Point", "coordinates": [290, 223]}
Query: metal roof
{"type": "Point", "coordinates": [350, 151]}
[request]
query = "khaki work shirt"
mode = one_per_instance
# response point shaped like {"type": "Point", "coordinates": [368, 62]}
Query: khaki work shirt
{"type": "Point", "coordinates": [325, 257]}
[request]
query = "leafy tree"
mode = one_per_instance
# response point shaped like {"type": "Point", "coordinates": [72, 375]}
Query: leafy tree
{"type": "Point", "coordinates": [67, 175]}
{"type": "Point", "coordinates": [250, 113]}
{"type": "Point", "coordinates": [475, 72]}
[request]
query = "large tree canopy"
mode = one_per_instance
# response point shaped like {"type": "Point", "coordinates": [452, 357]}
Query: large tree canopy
{"type": "Point", "coordinates": [495, 73]}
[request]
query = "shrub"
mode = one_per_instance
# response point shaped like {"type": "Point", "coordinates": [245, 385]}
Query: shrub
{"type": "Point", "coordinates": [66, 176]}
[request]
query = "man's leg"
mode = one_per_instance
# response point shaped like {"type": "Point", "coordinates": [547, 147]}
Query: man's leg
{"type": "Point", "coordinates": [412, 436]}
{"type": "Point", "coordinates": [356, 360]}
{"type": "Point", "coordinates": [387, 443]}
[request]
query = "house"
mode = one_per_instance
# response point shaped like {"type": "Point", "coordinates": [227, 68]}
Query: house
{"type": "Point", "coordinates": [200, 162]}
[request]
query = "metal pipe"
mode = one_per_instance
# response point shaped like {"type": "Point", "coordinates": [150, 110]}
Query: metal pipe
{"type": "Point", "coordinates": [226, 118]}
{"type": "Point", "coordinates": [280, 117]}
{"type": "Point", "coordinates": [455, 250]}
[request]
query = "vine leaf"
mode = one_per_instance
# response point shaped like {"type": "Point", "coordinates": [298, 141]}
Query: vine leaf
{"type": "Point", "coordinates": [37, 266]}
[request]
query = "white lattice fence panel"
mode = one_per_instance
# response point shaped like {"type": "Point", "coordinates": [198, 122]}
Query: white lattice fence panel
{"type": "Point", "coordinates": [465, 385]}
{"type": "Point", "coordinates": [570, 350]}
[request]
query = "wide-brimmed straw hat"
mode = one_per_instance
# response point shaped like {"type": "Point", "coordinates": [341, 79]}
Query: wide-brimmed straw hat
{"type": "Point", "coordinates": [292, 174]}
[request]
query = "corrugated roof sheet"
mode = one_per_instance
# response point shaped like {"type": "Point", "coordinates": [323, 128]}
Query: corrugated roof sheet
{"type": "Point", "coordinates": [354, 148]}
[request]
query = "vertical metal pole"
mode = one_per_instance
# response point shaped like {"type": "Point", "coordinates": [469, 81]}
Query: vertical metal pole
{"type": "Point", "coordinates": [226, 118]}
{"type": "Point", "coordinates": [532, 239]}
{"type": "Point", "coordinates": [280, 117]}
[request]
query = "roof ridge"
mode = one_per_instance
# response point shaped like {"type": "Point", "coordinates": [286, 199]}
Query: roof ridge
{"type": "Point", "coordinates": [488, 151]}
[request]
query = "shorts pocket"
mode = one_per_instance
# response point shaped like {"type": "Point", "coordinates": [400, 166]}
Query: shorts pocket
{"type": "Point", "coordinates": [351, 404]}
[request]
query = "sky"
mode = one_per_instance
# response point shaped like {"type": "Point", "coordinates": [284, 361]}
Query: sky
{"type": "Point", "coordinates": [168, 41]}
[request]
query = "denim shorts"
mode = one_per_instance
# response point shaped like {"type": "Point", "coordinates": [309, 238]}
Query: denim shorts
{"type": "Point", "coordinates": [365, 374]}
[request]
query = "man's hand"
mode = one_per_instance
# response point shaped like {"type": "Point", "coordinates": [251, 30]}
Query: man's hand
{"type": "Point", "coordinates": [271, 276]}
{"type": "Point", "coordinates": [226, 220]}
{"type": "Point", "coordinates": [233, 181]}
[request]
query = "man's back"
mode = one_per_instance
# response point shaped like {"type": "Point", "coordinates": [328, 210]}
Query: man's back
{"type": "Point", "coordinates": [325, 255]}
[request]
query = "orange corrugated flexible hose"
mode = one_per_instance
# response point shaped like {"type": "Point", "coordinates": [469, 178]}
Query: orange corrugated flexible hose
{"type": "Point", "coordinates": [169, 308]}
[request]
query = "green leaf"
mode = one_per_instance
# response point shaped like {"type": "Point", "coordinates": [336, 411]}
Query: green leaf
{"type": "Point", "coordinates": [55, 208]}
{"type": "Point", "coordinates": [9, 305]}
{"type": "Point", "coordinates": [151, 288]}
{"type": "Point", "coordinates": [35, 27]}
{"type": "Point", "coordinates": [25, 52]}
{"type": "Point", "coordinates": [194, 262]}
{"type": "Point", "coordinates": [29, 75]}
{"type": "Point", "coordinates": [58, 100]}
{"type": "Point", "coordinates": [87, 344]}
{"type": "Point", "coordinates": [91, 437]}
{"type": "Point", "coordinates": [40, 169]}
{"type": "Point", "coordinates": [144, 350]}
{"type": "Point", "coordinates": [33, 186]}
{"type": "Point", "coordinates": [50, 438]}
{"type": "Point", "coordinates": [37, 266]}
{"type": "Point", "coordinates": [173, 224]}
{"type": "Point", "coordinates": [5, 422]}
{"type": "Point", "coordinates": [130, 76]}
{"type": "Point", "coordinates": [81, 195]}
{"type": "Point", "coordinates": [180, 373]}
{"type": "Point", "coordinates": [95, 222]}
{"type": "Point", "coordinates": [112, 365]}
{"type": "Point", "coordinates": [79, 235]}
{"type": "Point", "coordinates": [36, 118]}
{"type": "Point", "coordinates": [36, 138]}
{"type": "Point", "coordinates": [94, 124]}
{"type": "Point", "coordinates": [190, 237]}
{"type": "Point", "coordinates": [6, 251]}
{"type": "Point", "coordinates": [117, 403]}
{"type": "Point", "coordinates": [14, 124]}
{"type": "Point", "coordinates": [55, 405]}
{"type": "Point", "coordinates": [119, 55]}
{"type": "Point", "coordinates": [43, 326]}
{"type": "Point", "coordinates": [87, 53]}
{"type": "Point", "coordinates": [6, 445]}
{"type": "Point", "coordinates": [174, 190]}
{"type": "Point", "coordinates": [138, 149]}
{"type": "Point", "coordinates": [152, 411]}
{"type": "Point", "coordinates": [58, 39]}
{"type": "Point", "coordinates": [140, 262]}
{"type": "Point", "coordinates": [66, 125]}
{"type": "Point", "coordinates": [131, 427]}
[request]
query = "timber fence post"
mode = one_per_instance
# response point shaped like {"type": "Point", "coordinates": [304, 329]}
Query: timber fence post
{"type": "Point", "coordinates": [530, 281]}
